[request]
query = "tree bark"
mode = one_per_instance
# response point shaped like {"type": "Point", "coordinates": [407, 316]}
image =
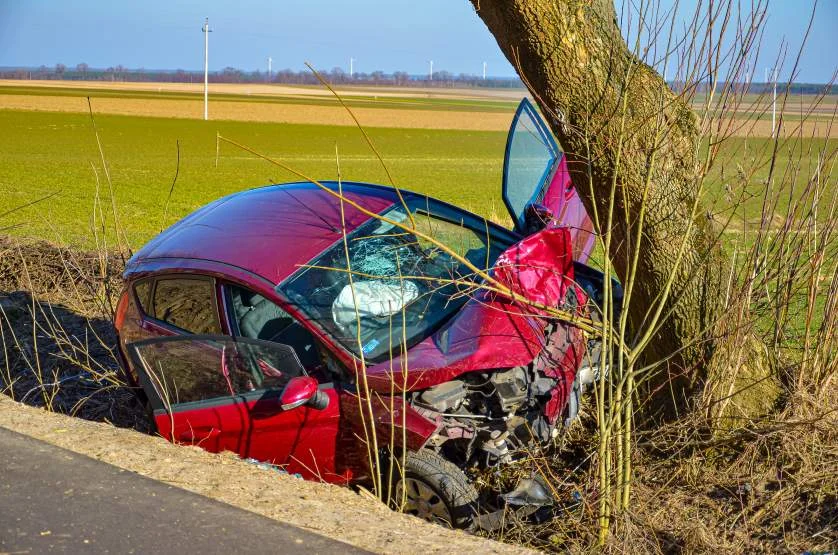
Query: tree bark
{"type": "Point", "coordinates": [607, 109]}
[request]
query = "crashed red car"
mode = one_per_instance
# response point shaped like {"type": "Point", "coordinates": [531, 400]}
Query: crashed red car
{"type": "Point", "coordinates": [258, 323]}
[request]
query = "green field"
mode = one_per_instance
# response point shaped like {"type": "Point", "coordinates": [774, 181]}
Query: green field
{"type": "Point", "coordinates": [44, 152]}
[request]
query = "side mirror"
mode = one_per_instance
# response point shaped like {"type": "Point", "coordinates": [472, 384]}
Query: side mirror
{"type": "Point", "coordinates": [537, 217]}
{"type": "Point", "coordinates": [303, 390]}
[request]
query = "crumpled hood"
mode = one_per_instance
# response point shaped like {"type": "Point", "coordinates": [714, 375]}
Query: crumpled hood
{"type": "Point", "coordinates": [491, 331]}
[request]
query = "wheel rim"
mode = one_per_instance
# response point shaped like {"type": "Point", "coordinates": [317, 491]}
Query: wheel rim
{"type": "Point", "coordinates": [421, 500]}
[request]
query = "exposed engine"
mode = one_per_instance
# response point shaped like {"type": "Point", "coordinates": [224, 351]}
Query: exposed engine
{"type": "Point", "coordinates": [488, 417]}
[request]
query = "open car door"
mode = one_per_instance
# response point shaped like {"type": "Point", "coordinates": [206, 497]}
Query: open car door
{"type": "Point", "coordinates": [226, 394]}
{"type": "Point", "coordinates": [537, 189]}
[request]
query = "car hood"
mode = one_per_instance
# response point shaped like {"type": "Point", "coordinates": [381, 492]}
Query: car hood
{"type": "Point", "coordinates": [491, 331]}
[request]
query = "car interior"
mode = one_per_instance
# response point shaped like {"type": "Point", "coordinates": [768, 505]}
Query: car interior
{"type": "Point", "coordinates": [259, 318]}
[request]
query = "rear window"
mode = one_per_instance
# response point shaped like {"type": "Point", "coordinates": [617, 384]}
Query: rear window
{"type": "Point", "coordinates": [187, 303]}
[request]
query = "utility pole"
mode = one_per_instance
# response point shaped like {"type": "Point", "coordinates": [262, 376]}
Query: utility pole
{"type": "Point", "coordinates": [270, 60]}
{"type": "Point", "coordinates": [431, 71]}
{"type": "Point", "coordinates": [773, 99]}
{"type": "Point", "coordinates": [484, 71]}
{"type": "Point", "coordinates": [351, 67]}
{"type": "Point", "coordinates": [206, 31]}
{"type": "Point", "coordinates": [774, 108]}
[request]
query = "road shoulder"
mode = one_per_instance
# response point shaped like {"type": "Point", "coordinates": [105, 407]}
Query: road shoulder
{"type": "Point", "coordinates": [330, 511]}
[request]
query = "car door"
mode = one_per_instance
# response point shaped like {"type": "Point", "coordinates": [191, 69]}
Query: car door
{"type": "Point", "coordinates": [253, 317]}
{"type": "Point", "coordinates": [537, 189]}
{"type": "Point", "coordinates": [223, 393]}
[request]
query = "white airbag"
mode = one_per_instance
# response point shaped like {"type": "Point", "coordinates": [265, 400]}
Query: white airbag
{"type": "Point", "coordinates": [375, 299]}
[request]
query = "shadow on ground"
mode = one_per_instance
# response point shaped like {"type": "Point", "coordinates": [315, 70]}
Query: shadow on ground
{"type": "Point", "coordinates": [57, 338]}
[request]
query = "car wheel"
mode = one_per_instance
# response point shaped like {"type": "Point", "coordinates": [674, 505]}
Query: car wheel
{"type": "Point", "coordinates": [435, 490]}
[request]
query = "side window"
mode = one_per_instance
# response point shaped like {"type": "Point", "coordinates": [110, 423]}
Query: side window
{"type": "Point", "coordinates": [259, 318]}
{"type": "Point", "coordinates": [190, 369]}
{"type": "Point", "coordinates": [187, 303]}
{"type": "Point", "coordinates": [185, 371]}
{"type": "Point", "coordinates": [257, 366]}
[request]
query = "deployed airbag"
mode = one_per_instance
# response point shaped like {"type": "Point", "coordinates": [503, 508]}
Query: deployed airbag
{"type": "Point", "coordinates": [375, 299]}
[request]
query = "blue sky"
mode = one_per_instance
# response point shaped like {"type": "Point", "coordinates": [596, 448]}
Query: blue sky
{"type": "Point", "coordinates": [387, 35]}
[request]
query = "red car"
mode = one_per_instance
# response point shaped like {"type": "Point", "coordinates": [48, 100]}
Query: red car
{"type": "Point", "coordinates": [242, 331]}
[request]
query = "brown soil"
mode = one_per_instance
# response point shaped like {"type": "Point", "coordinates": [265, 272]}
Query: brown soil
{"type": "Point", "coordinates": [281, 90]}
{"type": "Point", "coordinates": [336, 115]}
{"type": "Point", "coordinates": [264, 111]}
{"type": "Point", "coordinates": [56, 332]}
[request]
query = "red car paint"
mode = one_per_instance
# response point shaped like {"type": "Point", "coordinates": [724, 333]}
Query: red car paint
{"type": "Point", "coordinates": [492, 331]}
{"type": "Point", "coordinates": [569, 212]}
{"type": "Point", "coordinates": [267, 231]}
{"type": "Point", "coordinates": [258, 238]}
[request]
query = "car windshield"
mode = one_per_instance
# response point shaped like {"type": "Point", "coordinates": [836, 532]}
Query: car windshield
{"type": "Point", "coordinates": [404, 287]}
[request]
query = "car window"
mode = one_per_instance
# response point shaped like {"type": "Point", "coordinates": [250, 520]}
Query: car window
{"type": "Point", "coordinates": [187, 303]}
{"type": "Point", "coordinates": [259, 318]}
{"type": "Point", "coordinates": [405, 288]}
{"type": "Point", "coordinates": [190, 369]}
{"type": "Point", "coordinates": [531, 152]}
{"type": "Point", "coordinates": [185, 371]}
{"type": "Point", "coordinates": [263, 366]}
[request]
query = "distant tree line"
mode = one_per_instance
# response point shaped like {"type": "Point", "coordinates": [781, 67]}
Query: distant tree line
{"type": "Point", "coordinates": [337, 76]}
{"type": "Point", "coordinates": [83, 72]}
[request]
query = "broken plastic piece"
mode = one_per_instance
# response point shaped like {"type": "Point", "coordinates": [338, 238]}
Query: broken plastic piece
{"type": "Point", "coordinates": [530, 491]}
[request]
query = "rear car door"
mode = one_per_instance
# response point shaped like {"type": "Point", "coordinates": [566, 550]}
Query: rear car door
{"type": "Point", "coordinates": [537, 189]}
{"type": "Point", "coordinates": [218, 392]}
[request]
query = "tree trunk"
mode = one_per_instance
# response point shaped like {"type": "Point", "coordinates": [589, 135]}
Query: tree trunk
{"type": "Point", "coordinates": [607, 108]}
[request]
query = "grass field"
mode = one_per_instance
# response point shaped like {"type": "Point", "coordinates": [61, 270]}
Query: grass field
{"type": "Point", "coordinates": [55, 152]}
{"type": "Point", "coordinates": [46, 152]}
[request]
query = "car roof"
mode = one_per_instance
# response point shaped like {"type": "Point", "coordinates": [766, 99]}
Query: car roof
{"type": "Point", "coordinates": [269, 231]}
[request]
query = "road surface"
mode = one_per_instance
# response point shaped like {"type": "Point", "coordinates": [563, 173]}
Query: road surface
{"type": "Point", "coordinates": [56, 501]}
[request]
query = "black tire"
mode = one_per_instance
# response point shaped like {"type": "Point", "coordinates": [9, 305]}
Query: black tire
{"type": "Point", "coordinates": [437, 491]}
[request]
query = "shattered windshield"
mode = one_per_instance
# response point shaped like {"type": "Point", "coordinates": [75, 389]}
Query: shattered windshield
{"type": "Point", "coordinates": [404, 287]}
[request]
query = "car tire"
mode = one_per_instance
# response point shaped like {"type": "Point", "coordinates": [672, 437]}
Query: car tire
{"type": "Point", "coordinates": [437, 491]}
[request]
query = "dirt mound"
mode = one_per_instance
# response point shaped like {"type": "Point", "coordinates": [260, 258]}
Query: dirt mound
{"type": "Point", "coordinates": [61, 274]}
{"type": "Point", "coordinates": [56, 331]}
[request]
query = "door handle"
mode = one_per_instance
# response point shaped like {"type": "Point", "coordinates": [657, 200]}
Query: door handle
{"type": "Point", "coordinates": [198, 435]}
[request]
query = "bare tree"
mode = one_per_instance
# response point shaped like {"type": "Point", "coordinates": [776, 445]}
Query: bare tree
{"type": "Point", "coordinates": [634, 149]}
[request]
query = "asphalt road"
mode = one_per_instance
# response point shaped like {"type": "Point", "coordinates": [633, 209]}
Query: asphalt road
{"type": "Point", "coordinates": [56, 501]}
